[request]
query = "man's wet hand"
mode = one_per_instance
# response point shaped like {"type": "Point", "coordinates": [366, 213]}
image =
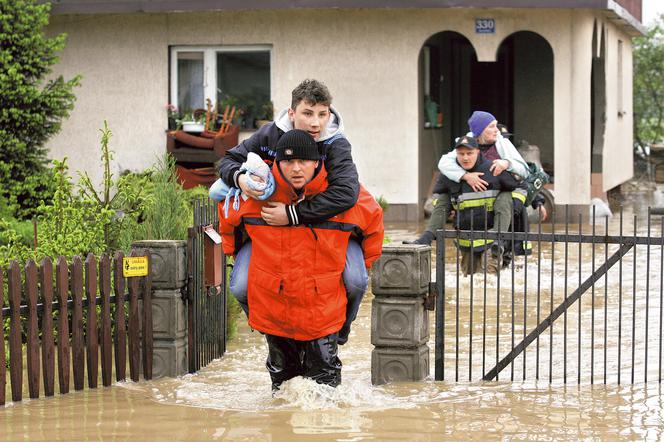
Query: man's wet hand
{"type": "Point", "coordinates": [251, 193]}
{"type": "Point", "coordinates": [473, 179]}
{"type": "Point", "coordinates": [274, 214]}
{"type": "Point", "coordinates": [499, 166]}
{"type": "Point", "coordinates": [542, 213]}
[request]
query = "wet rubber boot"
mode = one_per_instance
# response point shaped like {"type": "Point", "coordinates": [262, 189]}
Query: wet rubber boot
{"type": "Point", "coordinates": [441, 209]}
{"type": "Point", "coordinates": [321, 360]}
{"type": "Point", "coordinates": [424, 239]}
{"type": "Point", "coordinates": [284, 359]}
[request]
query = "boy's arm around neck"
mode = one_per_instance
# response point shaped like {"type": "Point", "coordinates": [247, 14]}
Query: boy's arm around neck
{"type": "Point", "coordinates": [342, 190]}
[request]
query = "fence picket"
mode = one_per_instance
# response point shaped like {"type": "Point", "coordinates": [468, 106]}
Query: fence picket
{"type": "Point", "coordinates": [91, 341]}
{"type": "Point", "coordinates": [78, 352]}
{"type": "Point", "coordinates": [48, 345]}
{"type": "Point", "coordinates": [33, 330]}
{"type": "Point", "coordinates": [134, 341]}
{"type": "Point", "coordinates": [147, 321]}
{"type": "Point", "coordinates": [15, 345]}
{"type": "Point", "coordinates": [105, 289]}
{"type": "Point", "coordinates": [62, 282]}
{"type": "Point", "coordinates": [120, 340]}
{"type": "Point", "coordinates": [3, 360]}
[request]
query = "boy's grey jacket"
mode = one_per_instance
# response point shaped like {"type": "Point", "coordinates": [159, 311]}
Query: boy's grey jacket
{"type": "Point", "coordinates": [343, 185]}
{"type": "Point", "coordinates": [449, 167]}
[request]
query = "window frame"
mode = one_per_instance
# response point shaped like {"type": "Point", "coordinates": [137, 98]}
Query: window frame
{"type": "Point", "coordinates": [210, 67]}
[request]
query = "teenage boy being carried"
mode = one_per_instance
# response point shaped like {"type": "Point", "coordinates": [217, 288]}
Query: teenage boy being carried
{"type": "Point", "coordinates": [296, 294]}
{"type": "Point", "coordinates": [311, 110]}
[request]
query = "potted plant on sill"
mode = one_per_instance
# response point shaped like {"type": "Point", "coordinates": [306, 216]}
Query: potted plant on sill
{"type": "Point", "coordinates": [191, 123]}
{"type": "Point", "coordinates": [173, 116]}
{"type": "Point", "coordinates": [265, 114]}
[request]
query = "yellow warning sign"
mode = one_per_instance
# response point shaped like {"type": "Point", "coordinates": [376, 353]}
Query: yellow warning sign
{"type": "Point", "coordinates": [135, 266]}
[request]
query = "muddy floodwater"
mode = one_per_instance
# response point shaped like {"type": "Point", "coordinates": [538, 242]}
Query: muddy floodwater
{"type": "Point", "coordinates": [230, 399]}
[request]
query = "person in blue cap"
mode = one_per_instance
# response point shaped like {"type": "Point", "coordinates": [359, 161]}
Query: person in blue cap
{"type": "Point", "coordinates": [503, 156]}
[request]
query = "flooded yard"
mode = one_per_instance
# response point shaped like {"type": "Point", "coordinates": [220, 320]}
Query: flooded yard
{"type": "Point", "coordinates": [231, 399]}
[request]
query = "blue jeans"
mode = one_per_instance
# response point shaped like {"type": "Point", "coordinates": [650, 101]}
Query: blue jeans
{"type": "Point", "coordinates": [355, 279]}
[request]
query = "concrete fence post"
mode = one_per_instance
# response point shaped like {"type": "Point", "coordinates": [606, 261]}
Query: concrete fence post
{"type": "Point", "coordinates": [169, 315]}
{"type": "Point", "coordinates": [399, 322]}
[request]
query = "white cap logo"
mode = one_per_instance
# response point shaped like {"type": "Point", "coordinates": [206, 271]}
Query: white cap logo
{"type": "Point", "coordinates": [288, 151]}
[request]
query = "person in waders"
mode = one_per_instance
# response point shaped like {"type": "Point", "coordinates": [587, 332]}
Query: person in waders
{"type": "Point", "coordinates": [310, 110]}
{"type": "Point", "coordinates": [295, 292]}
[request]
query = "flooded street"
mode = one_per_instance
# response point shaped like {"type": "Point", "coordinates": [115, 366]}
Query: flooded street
{"type": "Point", "coordinates": [230, 399]}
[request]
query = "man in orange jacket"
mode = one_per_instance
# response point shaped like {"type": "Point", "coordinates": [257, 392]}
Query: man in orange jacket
{"type": "Point", "coordinates": [296, 294]}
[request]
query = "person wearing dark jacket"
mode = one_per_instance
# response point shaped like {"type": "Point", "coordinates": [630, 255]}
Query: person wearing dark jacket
{"type": "Point", "coordinates": [296, 293]}
{"type": "Point", "coordinates": [477, 210]}
{"type": "Point", "coordinates": [495, 147]}
{"type": "Point", "coordinates": [311, 111]}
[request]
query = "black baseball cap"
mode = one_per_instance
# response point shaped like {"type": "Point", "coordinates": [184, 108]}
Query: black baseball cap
{"type": "Point", "coordinates": [466, 141]}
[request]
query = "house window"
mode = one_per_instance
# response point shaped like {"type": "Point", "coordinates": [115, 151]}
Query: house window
{"type": "Point", "coordinates": [233, 76]}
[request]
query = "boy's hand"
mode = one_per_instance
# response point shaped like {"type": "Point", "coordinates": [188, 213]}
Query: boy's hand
{"type": "Point", "coordinates": [275, 214]}
{"type": "Point", "coordinates": [251, 193]}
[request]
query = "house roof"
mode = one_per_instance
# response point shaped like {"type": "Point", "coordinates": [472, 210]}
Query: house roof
{"type": "Point", "coordinates": [625, 12]}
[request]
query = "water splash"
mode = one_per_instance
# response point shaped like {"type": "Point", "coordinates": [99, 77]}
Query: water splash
{"type": "Point", "coordinates": [306, 394]}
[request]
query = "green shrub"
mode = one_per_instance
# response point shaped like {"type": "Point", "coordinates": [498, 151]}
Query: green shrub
{"type": "Point", "coordinates": [70, 225]}
{"type": "Point", "coordinates": [125, 198]}
{"type": "Point", "coordinates": [382, 202]}
{"type": "Point", "coordinates": [167, 208]}
{"type": "Point", "coordinates": [32, 107]}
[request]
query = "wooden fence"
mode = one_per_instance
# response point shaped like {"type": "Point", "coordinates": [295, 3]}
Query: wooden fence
{"type": "Point", "coordinates": [80, 331]}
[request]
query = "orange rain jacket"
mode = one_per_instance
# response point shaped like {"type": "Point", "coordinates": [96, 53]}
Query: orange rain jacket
{"type": "Point", "coordinates": [295, 285]}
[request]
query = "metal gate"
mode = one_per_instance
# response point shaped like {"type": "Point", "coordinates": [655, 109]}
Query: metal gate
{"type": "Point", "coordinates": [206, 306]}
{"type": "Point", "coordinates": [584, 307]}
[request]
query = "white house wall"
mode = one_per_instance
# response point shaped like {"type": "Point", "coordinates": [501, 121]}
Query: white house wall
{"type": "Point", "coordinates": [368, 58]}
{"type": "Point", "coordinates": [618, 156]}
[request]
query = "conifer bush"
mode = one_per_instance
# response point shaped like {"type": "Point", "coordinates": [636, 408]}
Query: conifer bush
{"type": "Point", "coordinates": [32, 107]}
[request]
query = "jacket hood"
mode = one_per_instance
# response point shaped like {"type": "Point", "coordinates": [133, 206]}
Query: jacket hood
{"type": "Point", "coordinates": [284, 191]}
{"type": "Point", "coordinates": [334, 127]}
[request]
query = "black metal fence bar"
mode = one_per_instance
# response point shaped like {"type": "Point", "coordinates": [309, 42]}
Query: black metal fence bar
{"type": "Point", "coordinates": [553, 252]}
{"type": "Point", "coordinates": [207, 305]}
{"type": "Point", "coordinates": [583, 331]}
{"type": "Point", "coordinates": [606, 297]}
{"type": "Point", "coordinates": [578, 328]}
{"type": "Point", "coordinates": [439, 349]}
{"type": "Point", "coordinates": [592, 308]}
{"type": "Point", "coordinates": [512, 301]}
{"type": "Point", "coordinates": [620, 303]}
{"type": "Point", "coordinates": [634, 305]}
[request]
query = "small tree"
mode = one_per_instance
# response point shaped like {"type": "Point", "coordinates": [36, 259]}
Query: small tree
{"type": "Point", "coordinates": [31, 108]}
{"type": "Point", "coordinates": [649, 85]}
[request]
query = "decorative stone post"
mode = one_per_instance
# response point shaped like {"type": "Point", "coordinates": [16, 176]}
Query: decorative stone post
{"type": "Point", "coordinates": [399, 322]}
{"type": "Point", "coordinates": [168, 271]}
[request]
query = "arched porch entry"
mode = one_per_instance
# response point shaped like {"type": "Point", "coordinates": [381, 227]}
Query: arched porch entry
{"type": "Point", "coordinates": [517, 88]}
